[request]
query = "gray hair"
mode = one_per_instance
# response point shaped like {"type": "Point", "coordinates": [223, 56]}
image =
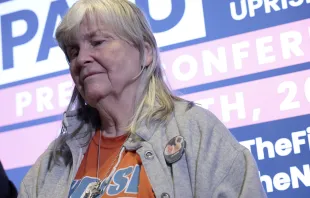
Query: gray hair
{"type": "Point", "coordinates": [128, 22]}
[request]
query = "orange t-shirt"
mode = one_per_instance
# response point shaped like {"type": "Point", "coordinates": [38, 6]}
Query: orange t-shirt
{"type": "Point", "coordinates": [129, 179]}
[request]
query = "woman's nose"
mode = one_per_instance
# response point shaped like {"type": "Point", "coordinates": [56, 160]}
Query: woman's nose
{"type": "Point", "coordinates": [84, 57]}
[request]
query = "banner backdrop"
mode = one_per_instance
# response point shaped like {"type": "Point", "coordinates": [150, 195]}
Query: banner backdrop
{"type": "Point", "coordinates": [245, 60]}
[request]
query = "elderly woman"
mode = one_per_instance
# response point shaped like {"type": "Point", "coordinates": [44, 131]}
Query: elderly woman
{"type": "Point", "coordinates": [124, 133]}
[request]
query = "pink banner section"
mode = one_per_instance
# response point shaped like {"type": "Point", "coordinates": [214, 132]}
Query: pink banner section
{"type": "Point", "coordinates": [23, 147]}
{"type": "Point", "coordinates": [35, 100]}
{"type": "Point", "coordinates": [238, 105]}
{"type": "Point", "coordinates": [239, 55]}
{"type": "Point", "coordinates": [248, 53]}
{"type": "Point", "coordinates": [258, 101]}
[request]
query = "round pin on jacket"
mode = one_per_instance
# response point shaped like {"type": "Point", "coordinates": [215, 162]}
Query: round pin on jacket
{"type": "Point", "coordinates": [174, 149]}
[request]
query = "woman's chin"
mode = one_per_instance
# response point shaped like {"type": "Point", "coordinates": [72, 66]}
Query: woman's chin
{"type": "Point", "coordinates": [92, 97]}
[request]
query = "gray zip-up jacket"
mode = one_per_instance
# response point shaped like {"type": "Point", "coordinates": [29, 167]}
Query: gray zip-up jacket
{"type": "Point", "coordinates": [213, 165]}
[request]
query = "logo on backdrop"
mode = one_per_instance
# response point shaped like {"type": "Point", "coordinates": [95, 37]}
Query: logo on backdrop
{"type": "Point", "coordinates": [242, 9]}
{"type": "Point", "coordinates": [32, 24]}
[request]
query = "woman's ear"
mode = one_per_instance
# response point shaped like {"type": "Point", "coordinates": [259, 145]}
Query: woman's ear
{"type": "Point", "coordinates": [148, 53]}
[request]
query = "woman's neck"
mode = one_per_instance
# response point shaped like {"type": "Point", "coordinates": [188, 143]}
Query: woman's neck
{"type": "Point", "coordinates": [116, 114]}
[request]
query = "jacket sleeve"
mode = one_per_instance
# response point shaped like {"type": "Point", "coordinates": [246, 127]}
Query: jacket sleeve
{"type": "Point", "coordinates": [225, 168]}
{"type": "Point", "coordinates": [242, 179]}
{"type": "Point", "coordinates": [34, 178]}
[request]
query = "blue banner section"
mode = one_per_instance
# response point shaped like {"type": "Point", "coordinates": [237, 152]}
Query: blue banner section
{"type": "Point", "coordinates": [31, 123]}
{"type": "Point", "coordinates": [29, 80]}
{"type": "Point", "coordinates": [220, 23]}
{"type": "Point", "coordinates": [281, 149]}
{"type": "Point", "coordinates": [2, 1]}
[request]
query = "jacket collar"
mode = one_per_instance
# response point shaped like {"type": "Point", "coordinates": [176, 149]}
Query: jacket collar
{"type": "Point", "coordinates": [144, 132]}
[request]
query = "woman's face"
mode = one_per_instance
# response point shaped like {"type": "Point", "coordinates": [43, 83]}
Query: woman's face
{"type": "Point", "coordinates": [101, 64]}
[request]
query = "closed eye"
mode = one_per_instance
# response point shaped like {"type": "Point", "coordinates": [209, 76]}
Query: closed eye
{"type": "Point", "coordinates": [72, 53]}
{"type": "Point", "coordinates": [96, 43]}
